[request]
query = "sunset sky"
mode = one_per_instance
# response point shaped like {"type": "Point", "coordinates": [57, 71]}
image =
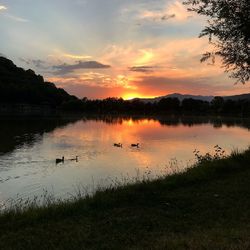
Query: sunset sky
{"type": "Point", "coordinates": [119, 48]}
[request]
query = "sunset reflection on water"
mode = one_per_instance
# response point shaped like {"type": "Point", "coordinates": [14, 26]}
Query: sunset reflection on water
{"type": "Point", "coordinates": [28, 167]}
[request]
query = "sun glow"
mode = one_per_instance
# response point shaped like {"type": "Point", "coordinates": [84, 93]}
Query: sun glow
{"type": "Point", "coordinates": [130, 96]}
{"type": "Point", "coordinates": [145, 57]}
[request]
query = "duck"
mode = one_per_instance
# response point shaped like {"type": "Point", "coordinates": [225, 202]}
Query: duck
{"type": "Point", "coordinates": [58, 160]}
{"type": "Point", "coordinates": [119, 145]}
{"type": "Point", "coordinates": [74, 159]}
{"type": "Point", "coordinates": [135, 145]}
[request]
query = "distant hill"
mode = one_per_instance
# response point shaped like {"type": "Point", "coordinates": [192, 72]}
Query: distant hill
{"type": "Point", "coordinates": [237, 97]}
{"type": "Point", "coordinates": [181, 97]}
{"type": "Point", "coordinates": [24, 86]}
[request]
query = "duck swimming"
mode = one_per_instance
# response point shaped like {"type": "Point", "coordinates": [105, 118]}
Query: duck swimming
{"type": "Point", "coordinates": [58, 160]}
{"type": "Point", "coordinates": [74, 159]}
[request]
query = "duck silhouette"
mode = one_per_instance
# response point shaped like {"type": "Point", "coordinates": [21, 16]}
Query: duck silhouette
{"type": "Point", "coordinates": [74, 159]}
{"type": "Point", "coordinates": [58, 160]}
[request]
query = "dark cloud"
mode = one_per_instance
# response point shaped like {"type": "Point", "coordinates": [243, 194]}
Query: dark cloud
{"type": "Point", "coordinates": [167, 17]}
{"type": "Point", "coordinates": [160, 18]}
{"type": "Point", "coordinates": [143, 69]}
{"type": "Point", "coordinates": [34, 62]}
{"type": "Point", "coordinates": [65, 68]}
{"type": "Point", "coordinates": [39, 63]}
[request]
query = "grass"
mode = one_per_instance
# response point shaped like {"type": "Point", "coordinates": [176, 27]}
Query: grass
{"type": "Point", "coordinates": [207, 207]}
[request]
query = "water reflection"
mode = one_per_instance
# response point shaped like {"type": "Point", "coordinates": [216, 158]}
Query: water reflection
{"type": "Point", "coordinates": [216, 122]}
{"type": "Point", "coordinates": [18, 133]}
{"type": "Point", "coordinates": [30, 147]}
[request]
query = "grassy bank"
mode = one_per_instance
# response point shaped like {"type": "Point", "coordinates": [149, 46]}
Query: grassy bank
{"type": "Point", "coordinates": [207, 207]}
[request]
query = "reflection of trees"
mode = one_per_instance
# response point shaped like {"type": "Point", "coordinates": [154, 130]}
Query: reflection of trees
{"type": "Point", "coordinates": [217, 122]}
{"type": "Point", "coordinates": [15, 133]}
{"type": "Point", "coordinates": [190, 121]}
{"type": "Point", "coordinates": [115, 119]}
{"type": "Point", "coordinates": [171, 121]}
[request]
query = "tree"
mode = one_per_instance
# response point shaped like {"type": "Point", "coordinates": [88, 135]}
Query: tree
{"type": "Point", "coordinates": [169, 104]}
{"type": "Point", "coordinates": [228, 30]}
{"type": "Point", "coordinates": [217, 104]}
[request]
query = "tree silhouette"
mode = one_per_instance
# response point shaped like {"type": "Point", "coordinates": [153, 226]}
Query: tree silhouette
{"type": "Point", "coordinates": [19, 86]}
{"type": "Point", "coordinates": [228, 30]}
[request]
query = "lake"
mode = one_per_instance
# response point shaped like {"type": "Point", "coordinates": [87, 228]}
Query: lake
{"type": "Point", "coordinates": [29, 148]}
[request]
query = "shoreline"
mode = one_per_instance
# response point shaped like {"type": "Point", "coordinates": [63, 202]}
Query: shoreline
{"type": "Point", "coordinates": [206, 207]}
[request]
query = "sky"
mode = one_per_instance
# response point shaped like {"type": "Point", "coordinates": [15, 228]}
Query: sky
{"type": "Point", "coordinates": [113, 48]}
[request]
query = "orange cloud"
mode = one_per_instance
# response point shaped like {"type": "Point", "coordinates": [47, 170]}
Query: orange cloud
{"type": "Point", "coordinates": [175, 67]}
{"type": "Point", "coordinates": [59, 55]}
{"type": "Point", "coordinates": [145, 57]}
{"type": "Point", "coordinates": [174, 11]}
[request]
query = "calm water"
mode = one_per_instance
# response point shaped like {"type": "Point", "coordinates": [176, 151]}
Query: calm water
{"type": "Point", "coordinates": [29, 147]}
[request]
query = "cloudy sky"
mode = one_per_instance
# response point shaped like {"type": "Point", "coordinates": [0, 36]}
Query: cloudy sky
{"type": "Point", "coordinates": [120, 48]}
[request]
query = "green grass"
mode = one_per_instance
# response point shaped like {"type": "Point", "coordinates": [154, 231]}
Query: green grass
{"type": "Point", "coordinates": [207, 207]}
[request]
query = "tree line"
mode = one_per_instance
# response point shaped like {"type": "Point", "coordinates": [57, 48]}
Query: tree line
{"type": "Point", "coordinates": [218, 106]}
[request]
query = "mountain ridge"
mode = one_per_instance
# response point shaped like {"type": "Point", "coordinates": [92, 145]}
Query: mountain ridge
{"type": "Point", "coordinates": [181, 97]}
